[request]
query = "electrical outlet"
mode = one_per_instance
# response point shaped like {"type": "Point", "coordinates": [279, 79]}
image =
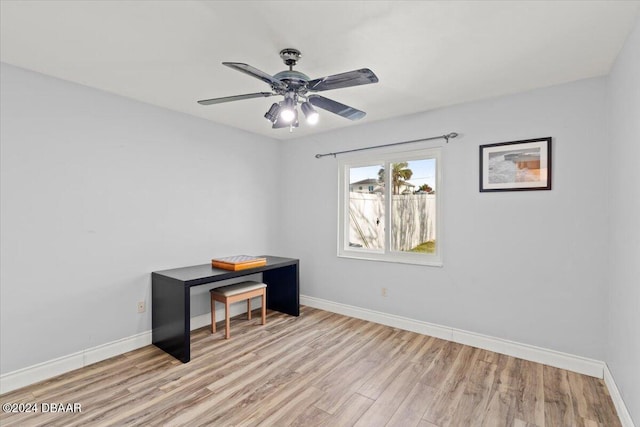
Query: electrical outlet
{"type": "Point", "coordinates": [383, 292]}
{"type": "Point", "coordinates": [141, 307]}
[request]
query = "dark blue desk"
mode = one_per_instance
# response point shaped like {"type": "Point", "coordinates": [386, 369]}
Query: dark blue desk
{"type": "Point", "coordinates": [170, 304]}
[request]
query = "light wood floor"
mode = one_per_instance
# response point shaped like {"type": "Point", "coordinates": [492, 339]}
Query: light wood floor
{"type": "Point", "coordinates": [320, 369]}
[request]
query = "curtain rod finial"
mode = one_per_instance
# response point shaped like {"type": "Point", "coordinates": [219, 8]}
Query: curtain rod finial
{"type": "Point", "coordinates": [449, 135]}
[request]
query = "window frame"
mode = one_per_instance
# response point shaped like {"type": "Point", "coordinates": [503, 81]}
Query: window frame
{"type": "Point", "coordinates": [387, 255]}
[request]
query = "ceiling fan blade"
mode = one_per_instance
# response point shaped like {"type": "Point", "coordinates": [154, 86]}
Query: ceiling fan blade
{"type": "Point", "coordinates": [254, 72]}
{"type": "Point", "coordinates": [348, 79]}
{"type": "Point", "coordinates": [336, 107]}
{"type": "Point", "coordinates": [235, 98]}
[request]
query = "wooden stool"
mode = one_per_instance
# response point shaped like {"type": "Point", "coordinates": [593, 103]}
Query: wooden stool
{"type": "Point", "coordinates": [237, 292]}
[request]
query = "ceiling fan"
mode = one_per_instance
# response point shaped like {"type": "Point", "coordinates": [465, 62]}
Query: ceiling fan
{"type": "Point", "coordinates": [294, 87]}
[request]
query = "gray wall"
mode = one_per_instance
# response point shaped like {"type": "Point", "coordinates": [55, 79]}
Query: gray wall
{"type": "Point", "coordinates": [523, 266]}
{"type": "Point", "coordinates": [97, 192]}
{"type": "Point", "coordinates": [623, 345]}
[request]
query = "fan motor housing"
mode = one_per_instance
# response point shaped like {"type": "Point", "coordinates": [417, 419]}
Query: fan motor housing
{"type": "Point", "coordinates": [294, 79]}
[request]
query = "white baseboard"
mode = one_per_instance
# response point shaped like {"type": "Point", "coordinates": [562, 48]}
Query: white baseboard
{"type": "Point", "coordinates": [570, 362]}
{"type": "Point", "coordinates": [582, 365]}
{"type": "Point", "coordinates": [42, 371]}
{"type": "Point", "coordinates": [115, 348]}
{"type": "Point", "coordinates": [51, 368]}
{"type": "Point", "coordinates": [623, 412]}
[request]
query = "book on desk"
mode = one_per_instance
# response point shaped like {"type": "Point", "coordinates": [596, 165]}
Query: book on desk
{"type": "Point", "coordinates": [238, 262]}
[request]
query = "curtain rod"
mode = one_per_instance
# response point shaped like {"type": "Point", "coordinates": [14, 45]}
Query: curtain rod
{"type": "Point", "coordinates": [446, 137]}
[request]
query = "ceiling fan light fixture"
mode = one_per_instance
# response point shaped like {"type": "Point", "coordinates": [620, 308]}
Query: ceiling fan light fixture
{"type": "Point", "coordinates": [310, 113]}
{"type": "Point", "coordinates": [272, 114]}
{"type": "Point", "coordinates": [288, 110]}
{"type": "Point", "coordinates": [287, 115]}
{"type": "Point", "coordinates": [280, 124]}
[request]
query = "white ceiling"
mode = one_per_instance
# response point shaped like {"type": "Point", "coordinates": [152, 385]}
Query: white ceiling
{"type": "Point", "coordinates": [426, 54]}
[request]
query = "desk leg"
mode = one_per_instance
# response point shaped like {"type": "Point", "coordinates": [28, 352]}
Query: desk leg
{"type": "Point", "coordinates": [283, 289]}
{"type": "Point", "coordinates": [170, 316]}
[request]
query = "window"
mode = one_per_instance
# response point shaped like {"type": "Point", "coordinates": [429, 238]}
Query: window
{"type": "Point", "coordinates": [397, 219]}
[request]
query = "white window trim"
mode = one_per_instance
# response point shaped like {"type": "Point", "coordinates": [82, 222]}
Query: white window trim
{"type": "Point", "coordinates": [344, 164]}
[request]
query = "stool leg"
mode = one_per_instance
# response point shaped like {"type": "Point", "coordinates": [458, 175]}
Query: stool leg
{"type": "Point", "coordinates": [264, 308]}
{"type": "Point", "coordinates": [248, 308]}
{"type": "Point", "coordinates": [213, 316]}
{"type": "Point", "coordinates": [227, 334]}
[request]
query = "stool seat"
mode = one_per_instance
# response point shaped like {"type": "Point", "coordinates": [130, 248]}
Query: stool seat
{"type": "Point", "coordinates": [237, 292]}
{"type": "Point", "coordinates": [238, 288]}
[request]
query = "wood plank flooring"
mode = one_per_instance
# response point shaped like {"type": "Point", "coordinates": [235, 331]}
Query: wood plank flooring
{"type": "Point", "coordinates": [320, 369]}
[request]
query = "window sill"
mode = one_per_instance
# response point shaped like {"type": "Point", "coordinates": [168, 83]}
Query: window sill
{"type": "Point", "coordinates": [398, 259]}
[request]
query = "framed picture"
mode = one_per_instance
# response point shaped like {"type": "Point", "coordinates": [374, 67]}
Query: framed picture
{"type": "Point", "coordinates": [516, 165]}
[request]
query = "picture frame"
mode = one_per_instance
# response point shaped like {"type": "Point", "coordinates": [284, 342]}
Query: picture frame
{"type": "Point", "coordinates": [516, 165]}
